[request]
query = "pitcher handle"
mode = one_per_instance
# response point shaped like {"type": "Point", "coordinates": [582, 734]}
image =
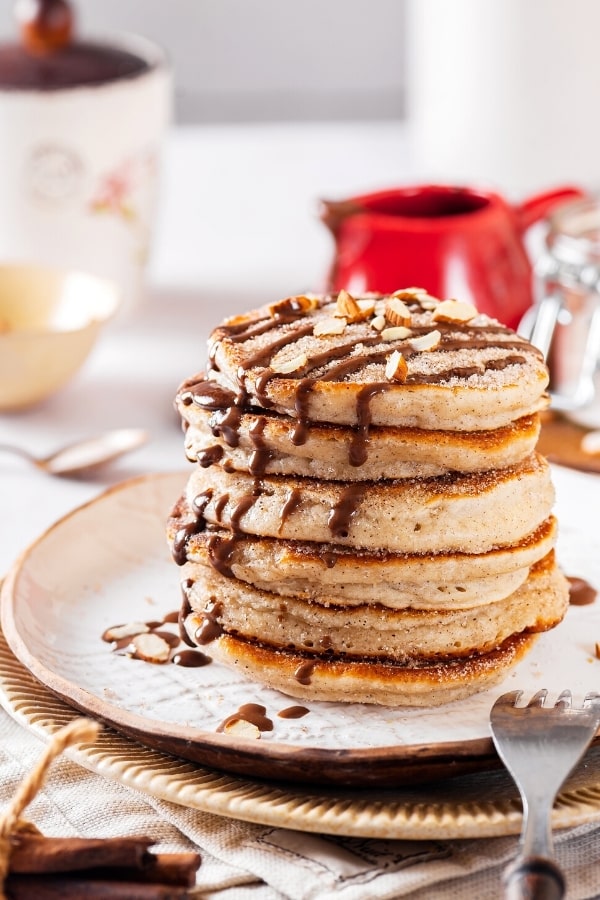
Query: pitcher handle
{"type": "Point", "coordinates": [536, 207]}
{"type": "Point", "coordinates": [538, 326]}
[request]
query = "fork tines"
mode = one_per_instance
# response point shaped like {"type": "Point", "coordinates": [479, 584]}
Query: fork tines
{"type": "Point", "coordinates": [563, 701]}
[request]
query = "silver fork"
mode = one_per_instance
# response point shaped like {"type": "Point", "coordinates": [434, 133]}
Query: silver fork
{"type": "Point", "coordinates": [540, 746]}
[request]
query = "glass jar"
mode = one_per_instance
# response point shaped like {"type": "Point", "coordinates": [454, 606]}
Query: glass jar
{"type": "Point", "coordinates": [565, 319]}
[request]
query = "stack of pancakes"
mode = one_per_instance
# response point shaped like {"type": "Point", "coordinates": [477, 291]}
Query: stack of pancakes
{"type": "Point", "coordinates": [368, 519]}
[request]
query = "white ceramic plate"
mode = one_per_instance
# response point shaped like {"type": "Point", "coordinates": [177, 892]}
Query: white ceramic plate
{"type": "Point", "coordinates": [108, 562]}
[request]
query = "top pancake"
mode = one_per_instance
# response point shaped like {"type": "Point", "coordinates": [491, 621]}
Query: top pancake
{"type": "Point", "coordinates": [478, 375]}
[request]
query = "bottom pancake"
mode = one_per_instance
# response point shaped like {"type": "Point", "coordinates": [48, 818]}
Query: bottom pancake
{"type": "Point", "coordinates": [371, 630]}
{"type": "Point", "coordinates": [383, 683]}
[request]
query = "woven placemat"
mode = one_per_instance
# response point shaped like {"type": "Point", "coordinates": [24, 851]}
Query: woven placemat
{"type": "Point", "coordinates": [560, 442]}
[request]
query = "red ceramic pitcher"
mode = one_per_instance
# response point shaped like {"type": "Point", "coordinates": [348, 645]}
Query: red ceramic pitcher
{"type": "Point", "coordinates": [454, 241]}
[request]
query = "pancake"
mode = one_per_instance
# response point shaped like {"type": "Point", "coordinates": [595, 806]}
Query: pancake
{"type": "Point", "coordinates": [402, 516]}
{"type": "Point", "coordinates": [428, 684]}
{"type": "Point", "coordinates": [478, 377]}
{"type": "Point", "coordinates": [367, 519]}
{"type": "Point", "coordinates": [344, 576]}
{"type": "Point", "coordinates": [262, 443]}
{"type": "Point", "coordinates": [371, 630]}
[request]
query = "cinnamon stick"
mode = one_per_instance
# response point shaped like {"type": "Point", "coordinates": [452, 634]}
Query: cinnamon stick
{"type": "Point", "coordinates": [43, 868]}
{"type": "Point", "coordinates": [34, 853]}
{"type": "Point", "coordinates": [63, 887]}
{"type": "Point", "coordinates": [163, 868]}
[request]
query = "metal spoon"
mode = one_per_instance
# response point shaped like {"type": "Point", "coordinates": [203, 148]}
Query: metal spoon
{"type": "Point", "coordinates": [84, 455]}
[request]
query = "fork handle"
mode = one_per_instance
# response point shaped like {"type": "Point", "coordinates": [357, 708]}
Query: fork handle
{"type": "Point", "coordinates": [534, 878]}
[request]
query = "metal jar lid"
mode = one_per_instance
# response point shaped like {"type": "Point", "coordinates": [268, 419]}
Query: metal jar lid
{"type": "Point", "coordinates": [572, 256]}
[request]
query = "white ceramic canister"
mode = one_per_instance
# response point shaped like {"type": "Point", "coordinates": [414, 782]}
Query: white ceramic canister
{"type": "Point", "coordinates": [79, 169]}
{"type": "Point", "coordinates": [504, 92]}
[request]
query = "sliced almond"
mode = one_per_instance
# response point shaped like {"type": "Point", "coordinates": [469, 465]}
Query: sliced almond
{"type": "Point", "coordinates": [331, 325]}
{"type": "Point", "coordinates": [428, 341]}
{"type": "Point", "coordinates": [378, 323]}
{"type": "Point", "coordinates": [351, 309]}
{"type": "Point", "coordinates": [366, 306]}
{"type": "Point", "coordinates": [346, 305]}
{"type": "Point", "coordinates": [428, 302]}
{"type": "Point", "coordinates": [291, 365]}
{"type": "Point", "coordinates": [397, 312]}
{"type": "Point", "coordinates": [453, 311]}
{"type": "Point", "coordinates": [396, 368]}
{"type": "Point", "coordinates": [151, 648]}
{"type": "Point", "coordinates": [241, 728]}
{"type": "Point", "coordinates": [118, 632]}
{"type": "Point", "coordinates": [597, 650]}
{"type": "Point", "coordinates": [397, 333]}
{"type": "Point", "coordinates": [409, 293]}
{"type": "Point", "coordinates": [297, 306]}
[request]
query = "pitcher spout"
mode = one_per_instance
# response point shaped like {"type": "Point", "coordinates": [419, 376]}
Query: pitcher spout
{"type": "Point", "coordinates": [334, 212]}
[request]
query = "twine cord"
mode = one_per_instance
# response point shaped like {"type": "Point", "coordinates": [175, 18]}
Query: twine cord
{"type": "Point", "coordinates": [76, 732]}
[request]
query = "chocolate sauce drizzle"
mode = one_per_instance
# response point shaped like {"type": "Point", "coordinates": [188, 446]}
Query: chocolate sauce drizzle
{"type": "Point", "coordinates": [253, 713]}
{"type": "Point", "coordinates": [340, 361]}
{"type": "Point", "coordinates": [211, 628]}
{"type": "Point", "coordinates": [304, 672]}
{"type": "Point", "coordinates": [290, 326]}
{"type": "Point", "coordinates": [184, 611]}
{"type": "Point", "coordinates": [210, 455]}
{"type": "Point", "coordinates": [261, 454]}
{"type": "Point", "coordinates": [195, 526]}
{"type": "Point", "coordinates": [220, 553]}
{"type": "Point", "coordinates": [342, 513]}
{"type": "Point", "coordinates": [293, 501]}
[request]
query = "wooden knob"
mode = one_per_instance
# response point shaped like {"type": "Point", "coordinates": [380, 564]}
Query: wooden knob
{"type": "Point", "coordinates": [45, 26]}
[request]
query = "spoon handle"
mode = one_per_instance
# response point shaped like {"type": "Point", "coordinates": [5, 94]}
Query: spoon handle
{"type": "Point", "coordinates": [18, 451]}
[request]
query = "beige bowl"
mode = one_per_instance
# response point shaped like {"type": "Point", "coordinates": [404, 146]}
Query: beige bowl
{"type": "Point", "coordinates": [49, 321]}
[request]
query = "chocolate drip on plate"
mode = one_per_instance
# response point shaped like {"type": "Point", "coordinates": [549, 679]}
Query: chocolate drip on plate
{"type": "Point", "coordinates": [293, 712]}
{"type": "Point", "coordinates": [191, 659]}
{"type": "Point", "coordinates": [581, 592]}
{"type": "Point", "coordinates": [253, 713]}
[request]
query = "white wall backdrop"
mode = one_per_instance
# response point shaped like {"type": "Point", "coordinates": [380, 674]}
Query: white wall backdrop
{"type": "Point", "coordinates": [269, 60]}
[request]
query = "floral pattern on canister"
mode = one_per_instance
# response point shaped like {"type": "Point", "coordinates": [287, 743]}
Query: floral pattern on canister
{"type": "Point", "coordinates": [117, 192]}
{"type": "Point", "coordinates": [123, 193]}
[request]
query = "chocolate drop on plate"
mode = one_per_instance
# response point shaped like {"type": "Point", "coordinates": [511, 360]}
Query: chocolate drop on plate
{"type": "Point", "coordinates": [191, 659]}
{"type": "Point", "coordinates": [581, 592]}
{"type": "Point", "coordinates": [252, 713]}
{"type": "Point", "coordinates": [293, 712]}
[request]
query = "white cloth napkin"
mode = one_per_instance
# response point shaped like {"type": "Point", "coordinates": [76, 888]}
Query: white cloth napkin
{"type": "Point", "coordinates": [242, 861]}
